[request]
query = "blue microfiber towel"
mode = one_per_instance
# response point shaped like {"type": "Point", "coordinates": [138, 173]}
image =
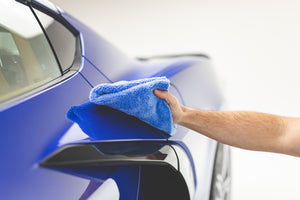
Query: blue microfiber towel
{"type": "Point", "coordinates": [105, 123]}
{"type": "Point", "coordinates": [136, 98]}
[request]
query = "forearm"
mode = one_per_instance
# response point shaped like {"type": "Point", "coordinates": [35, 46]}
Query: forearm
{"type": "Point", "coordinates": [247, 130]}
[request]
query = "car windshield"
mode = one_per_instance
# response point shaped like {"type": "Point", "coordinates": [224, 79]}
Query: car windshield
{"type": "Point", "coordinates": [26, 59]}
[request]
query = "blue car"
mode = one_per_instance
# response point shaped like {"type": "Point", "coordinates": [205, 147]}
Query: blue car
{"type": "Point", "coordinates": [49, 62]}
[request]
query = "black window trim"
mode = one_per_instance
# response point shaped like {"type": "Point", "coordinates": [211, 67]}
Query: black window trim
{"type": "Point", "coordinates": [58, 17]}
{"type": "Point", "coordinates": [68, 73]}
{"type": "Point", "coordinates": [51, 13]}
{"type": "Point", "coordinates": [48, 39]}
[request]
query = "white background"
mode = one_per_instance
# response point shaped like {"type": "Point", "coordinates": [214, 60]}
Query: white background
{"type": "Point", "coordinates": [255, 47]}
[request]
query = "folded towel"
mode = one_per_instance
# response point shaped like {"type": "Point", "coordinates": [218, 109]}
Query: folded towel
{"type": "Point", "coordinates": [136, 98]}
{"type": "Point", "coordinates": [105, 123]}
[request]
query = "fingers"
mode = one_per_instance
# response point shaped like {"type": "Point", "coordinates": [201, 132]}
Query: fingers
{"type": "Point", "coordinates": [165, 96]}
{"type": "Point", "coordinates": [174, 104]}
{"type": "Point", "coordinates": [161, 94]}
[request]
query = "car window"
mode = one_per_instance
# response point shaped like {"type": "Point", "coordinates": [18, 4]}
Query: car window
{"type": "Point", "coordinates": [26, 58]}
{"type": "Point", "coordinates": [62, 40]}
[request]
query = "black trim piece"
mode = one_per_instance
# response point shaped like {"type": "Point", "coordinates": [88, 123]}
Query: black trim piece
{"type": "Point", "coordinates": [26, 2]}
{"type": "Point", "coordinates": [49, 42]}
{"type": "Point", "coordinates": [66, 73]}
{"type": "Point", "coordinates": [97, 156]}
{"type": "Point", "coordinates": [51, 13]}
{"type": "Point", "coordinates": [162, 183]}
{"type": "Point", "coordinates": [173, 56]}
{"type": "Point", "coordinates": [178, 164]}
{"type": "Point", "coordinates": [112, 154]}
{"type": "Point", "coordinates": [77, 57]}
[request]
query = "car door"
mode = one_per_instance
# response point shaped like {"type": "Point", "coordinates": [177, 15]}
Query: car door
{"type": "Point", "coordinates": [41, 77]}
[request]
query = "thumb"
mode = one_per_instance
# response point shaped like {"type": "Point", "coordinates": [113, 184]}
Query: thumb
{"type": "Point", "coordinates": [161, 94]}
{"type": "Point", "coordinates": [165, 96]}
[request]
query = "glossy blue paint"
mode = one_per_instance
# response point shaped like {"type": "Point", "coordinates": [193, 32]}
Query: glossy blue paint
{"type": "Point", "coordinates": [107, 58]}
{"type": "Point", "coordinates": [91, 188]}
{"type": "Point", "coordinates": [115, 65]}
{"type": "Point", "coordinates": [30, 131]}
{"type": "Point", "coordinates": [127, 179]}
{"type": "Point", "coordinates": [92, 74]}
{"type": "Point", "coordinates": [34, 127]}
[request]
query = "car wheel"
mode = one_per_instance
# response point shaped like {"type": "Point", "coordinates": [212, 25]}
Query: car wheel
{"type": "Point", "coordinates": [221, 179]}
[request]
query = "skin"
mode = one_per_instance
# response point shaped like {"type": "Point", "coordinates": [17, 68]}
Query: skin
{"type": "Point", "coordinates": [242, 129]}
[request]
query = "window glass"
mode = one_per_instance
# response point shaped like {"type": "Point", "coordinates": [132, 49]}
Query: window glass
{"type": "Point", "coordinates": [62, 40]}
{"type": "Point", "coordinates": [26, 59]}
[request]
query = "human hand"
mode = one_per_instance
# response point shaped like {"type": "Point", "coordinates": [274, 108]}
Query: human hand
{"type": "Point", "coordinates": [176, 108]}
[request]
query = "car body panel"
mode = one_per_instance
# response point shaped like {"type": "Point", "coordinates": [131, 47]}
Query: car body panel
{"type": "Point", "coordinates": [109, 60]}
{"type": "Point", "coordinates": [91, 74]}
{"type": "Point", "coordinates": [30, 131]}
{"type": "Point", "coordinates": [35, 127]}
